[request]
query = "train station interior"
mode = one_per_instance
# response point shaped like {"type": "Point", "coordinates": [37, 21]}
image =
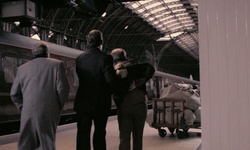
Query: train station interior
{"type": "Point", "coordinates": [205, 41]}
{"type": "Point", "coordinates": [163, 32]}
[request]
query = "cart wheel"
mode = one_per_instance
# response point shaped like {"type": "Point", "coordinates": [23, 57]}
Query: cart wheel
{"type": "Point", "coordinates": [186, 129]}
{"type": "Point", "coordinates": [182, 135]}
{"type": "Point", "coordinates": [183, 125]}
{"type": "Point", "coordinates": [162, 132]}
{"type": "Point", "coordinates": [171, 130]}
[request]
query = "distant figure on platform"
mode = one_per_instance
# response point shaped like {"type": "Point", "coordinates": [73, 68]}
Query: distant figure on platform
{"type": "Point", "coordinates": [131, 100]}
{"type": "Point", "coordinates": [40, 90]}
{"type": "Point", "coordinates": [97, 80]}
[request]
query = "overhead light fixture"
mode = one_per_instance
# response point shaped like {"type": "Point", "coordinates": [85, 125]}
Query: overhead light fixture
{"type": "Point", "coordinates": [35, 36]}
{"type": "Point", "coordinates": [104, 14]}
{"type": "Point", "coordinates": [72, 3]}
{"type": "Point", "coordinates": [90, 8]}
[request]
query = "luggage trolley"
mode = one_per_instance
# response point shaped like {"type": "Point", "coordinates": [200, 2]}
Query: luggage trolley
{"type": "Point", "coordinates": [169, 112]}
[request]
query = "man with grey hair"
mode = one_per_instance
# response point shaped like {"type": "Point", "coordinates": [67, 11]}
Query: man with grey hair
{"type": "Point", "coordinates": [131, 99]}
{"type": "Point", "coordinates": [40, 90]}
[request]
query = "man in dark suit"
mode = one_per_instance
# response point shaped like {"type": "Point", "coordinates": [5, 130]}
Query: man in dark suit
{"type": "Point", "coordinates": [40, 90]}
{"type": "Point", "coordinates": [97, 80]}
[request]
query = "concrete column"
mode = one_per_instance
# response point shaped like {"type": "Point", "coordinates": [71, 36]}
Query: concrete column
{"type": "Point", "coordinates": [224, 39]}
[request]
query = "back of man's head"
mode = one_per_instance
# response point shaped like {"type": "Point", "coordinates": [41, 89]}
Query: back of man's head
{"type": "Point", "coordinates": [94, 38]}
{"type": "Point", "coordinates": [119, 54]}
{"type": "Point", "coordinates": [40, 50]}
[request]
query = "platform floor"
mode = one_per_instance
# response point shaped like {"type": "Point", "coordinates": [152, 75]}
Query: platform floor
{"type": "Point", "coordinates": [66, 137]}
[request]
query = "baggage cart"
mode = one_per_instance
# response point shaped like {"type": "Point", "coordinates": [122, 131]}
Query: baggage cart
{"type": "Point", "coordinates": [169, 112]}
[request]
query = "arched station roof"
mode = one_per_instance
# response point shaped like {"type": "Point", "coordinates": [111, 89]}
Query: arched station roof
{"type": "Point", "coordinates": [162, 32]}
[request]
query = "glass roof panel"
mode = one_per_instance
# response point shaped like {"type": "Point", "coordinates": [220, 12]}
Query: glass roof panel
{"type": "Point", "coordinates": [157, 10]}
{"type": "Point", "coordinates": [141, 10]}
{"type": "Point", "coordinates": [179, 9]}
{"type": "Point", "coordinates": [171, 17]}
{"type": "Point", "coordinates": [176, 5]}
{"type": "Point", "coordinates": [152, 5]}
{"type": "Point", "coordinates": [169, 1]}
{"type": "Point", "coordinates": [165, 38]}
{"type": "Point", "coordinates": [143, 2]}
{"type": "Point", "coordinates": [182, 13]}
{"type": "Point", "coordinates": [134, 5]}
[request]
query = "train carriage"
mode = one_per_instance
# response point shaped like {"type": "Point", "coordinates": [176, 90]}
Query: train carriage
{"type": "Point", "coordinates": [15, 50]}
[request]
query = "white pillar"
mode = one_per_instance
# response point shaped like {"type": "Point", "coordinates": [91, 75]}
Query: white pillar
{"type": "Point", "coordinates": [224, 39]}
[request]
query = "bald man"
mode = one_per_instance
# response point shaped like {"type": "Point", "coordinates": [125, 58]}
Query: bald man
{"type": "Point", "coordinates": [40, 90]}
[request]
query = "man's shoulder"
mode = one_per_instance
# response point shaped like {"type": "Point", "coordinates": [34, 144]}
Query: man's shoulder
{"type": "Point", "coordinates": [54, 60]}
{"type": "Point", "coordinates": [50, 61]}
{"type": "Point", "coordinates": [103, 56]}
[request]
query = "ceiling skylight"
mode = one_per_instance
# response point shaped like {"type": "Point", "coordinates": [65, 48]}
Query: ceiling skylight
{"type": "Point", "coordinates": [165, 15]}
{"type": "Point", "coordinates": [171, 17]}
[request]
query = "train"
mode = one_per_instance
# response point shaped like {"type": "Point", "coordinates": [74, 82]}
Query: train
{"type": "Point", "coordinates": [15, 50]}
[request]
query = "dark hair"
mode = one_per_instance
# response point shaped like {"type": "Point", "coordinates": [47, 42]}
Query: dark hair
{"type": "Point", "coordinates": [40, 50]}
{"type": "Point", "coordinates": [94, 38]}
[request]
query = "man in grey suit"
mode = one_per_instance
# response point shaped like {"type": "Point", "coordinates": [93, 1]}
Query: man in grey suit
{"type": "Point", "coordinates": [40, 90]}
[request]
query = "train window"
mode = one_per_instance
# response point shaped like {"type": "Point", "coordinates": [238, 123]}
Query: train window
{"type": "Point", "coordinates": [10, 65]}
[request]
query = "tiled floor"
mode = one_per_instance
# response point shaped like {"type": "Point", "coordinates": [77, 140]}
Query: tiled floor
{"type": "Point", "coordinates": [66, 137]}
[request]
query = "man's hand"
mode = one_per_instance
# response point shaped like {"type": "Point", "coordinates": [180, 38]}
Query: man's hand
{"type": "Point", "coordinates": [123, 73]}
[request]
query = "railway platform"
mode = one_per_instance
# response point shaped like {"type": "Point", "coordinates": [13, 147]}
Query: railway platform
{"type": "Point", "coordinates": [66, 137]}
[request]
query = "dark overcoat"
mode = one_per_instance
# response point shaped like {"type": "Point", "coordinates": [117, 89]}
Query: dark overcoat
{"type": "Point", "coordinates": [97, 80]}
